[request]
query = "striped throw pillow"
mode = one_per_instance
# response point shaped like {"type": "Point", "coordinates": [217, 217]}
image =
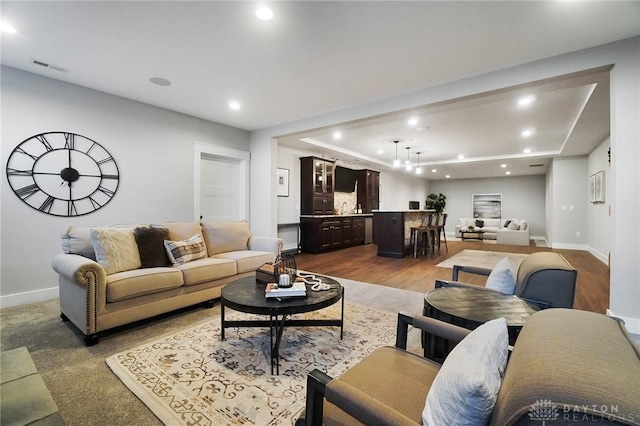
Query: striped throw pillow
{"type": "Point", "coordinates": [184, 251]}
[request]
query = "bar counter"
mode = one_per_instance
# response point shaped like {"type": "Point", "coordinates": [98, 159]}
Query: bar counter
{"type": "Point", "coordinates": [392, 230]}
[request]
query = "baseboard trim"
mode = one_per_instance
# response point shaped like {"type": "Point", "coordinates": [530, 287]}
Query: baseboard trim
{"type": "Point", "coordinates": [601, 257]}
{"type": "Point", "coordinates": [28, 297]}
{"type": "Point", "coordinates": [569, 246]}
{"type": "Point", "coordinates": [632, 324]}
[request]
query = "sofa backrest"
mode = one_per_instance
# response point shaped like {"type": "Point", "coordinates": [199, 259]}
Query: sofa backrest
{"type": "Point", "coordinates": [547, 277]}
{"type": "Point", "coordinates": [223, 237]}
{"type": "Point", "coordinates": [570, 366]}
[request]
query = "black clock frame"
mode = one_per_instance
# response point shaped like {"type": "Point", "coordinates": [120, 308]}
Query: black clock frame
{"type": "Point", "coordinates": [101, 181]}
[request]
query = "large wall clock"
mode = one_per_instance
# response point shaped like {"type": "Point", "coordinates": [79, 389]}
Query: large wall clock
{"type": "Point", "coordinates": [62, 174]}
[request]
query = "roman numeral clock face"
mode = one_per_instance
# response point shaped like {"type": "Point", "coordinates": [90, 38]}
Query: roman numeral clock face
{"type": "Point", "coordinates": [62, 174]}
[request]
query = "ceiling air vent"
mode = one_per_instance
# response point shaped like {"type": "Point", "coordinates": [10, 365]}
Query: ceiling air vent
{"type": "Point", "coordinates": [536, 165]}
{"type": "Point", "coordinates": [48, 65]}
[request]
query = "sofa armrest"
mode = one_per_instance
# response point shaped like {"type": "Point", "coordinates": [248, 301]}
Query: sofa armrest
{"type": "Point", "coordinates": [363, 407]}
{"type": "Point", "coordinates": [272, 244]}
{"type": "Point", "coordinates": [75, 268]}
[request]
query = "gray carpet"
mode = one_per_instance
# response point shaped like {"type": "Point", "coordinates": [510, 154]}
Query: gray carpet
{"type": "Point", "coordinates": [82, 385]}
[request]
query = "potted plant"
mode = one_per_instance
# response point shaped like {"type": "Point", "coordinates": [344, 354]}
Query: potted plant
{"type": "Point", "coordinates": [436, 202]}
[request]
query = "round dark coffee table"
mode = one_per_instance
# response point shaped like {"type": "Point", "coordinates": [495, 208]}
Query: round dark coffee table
{"type": "Point", "coordinates": [471, 307]}
{"type": "Point", "coordinates": [247, 295]}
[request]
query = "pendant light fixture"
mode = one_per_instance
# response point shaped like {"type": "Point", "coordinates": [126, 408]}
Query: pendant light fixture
{"type": "Point", "coordinates": [396, 162]}
{"type": "Point", "coordinates": [418, 168]}
{"type": "Point", "coordinates": [408, 163]}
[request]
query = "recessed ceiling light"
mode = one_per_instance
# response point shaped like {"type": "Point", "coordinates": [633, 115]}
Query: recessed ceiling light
{"type": "Point", "coordinates": [264, 13]}
{"type": "Point", "coordinates": [460, 157]}
{"type": "Point", "coordinates": [434, 170]}
{"type": "Point", "coordinates": [526, 133]}
{"type": "Point", "coordinates": [412, 121]}
{"type": "Point", "coordinates": [448, 176]}
{"type": "Point", "coordinates": [234, 105]}
{"type": "Point", "coordinates": [6, 27]}
{"type": "Point", "coordinates": [380, 151]}
{"type": "Point", "coordinates": [160, 81]}
{"type": "Point", "coordinates": [337, 135]}
{"type": "Point", "coordinates": [526, 100]}
{"type": "Point", "coordinates": [507, 173]}
{"type": "Point", "coordinates": [504, 166]}
{"type": "Point", "coordinates": [527, 150]}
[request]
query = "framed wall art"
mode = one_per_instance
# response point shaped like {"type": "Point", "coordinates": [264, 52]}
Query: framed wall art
{"type": "Point", "coordinates": [487, 206]}
{"type": "Point", "coordinates": [599, 187]}
{"type": "Point", "coordinates": [283, 182]}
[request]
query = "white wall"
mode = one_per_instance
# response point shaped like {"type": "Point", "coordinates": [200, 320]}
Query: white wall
{"type": "Point", "coordinates": [569, 203]}
{"type": "Point", "coordinates": [599, 221]}
{"type": "Point", "coordinates": [398, 188]}
{"type": "Point", "coordinates": [153, 148]}
{"type": "Point", "coordinates": [523, 197]}
{"type": "Point", "coordinates": [625, 109]}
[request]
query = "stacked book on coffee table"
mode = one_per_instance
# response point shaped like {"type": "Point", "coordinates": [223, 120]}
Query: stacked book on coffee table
{"type": "Point", "coordinates": [298, 289]}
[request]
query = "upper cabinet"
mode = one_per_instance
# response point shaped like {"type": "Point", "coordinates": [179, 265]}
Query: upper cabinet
{"type": "Point", "coordinates": [317, 185]}
{"type": "Point", "coordinates": [369, 190]}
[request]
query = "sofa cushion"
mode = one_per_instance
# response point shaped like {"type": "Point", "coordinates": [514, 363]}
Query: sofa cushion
{"type": "Point", "coordinates": [140, 282]}
{"type": "Point", "coordinates": [502, 277]}
{"type": "Point", "coordinates": [491, 223]}
{"type": "Point", "coordinates": [181, 230]}
{"type": "Point", "coordinates": [184, 251]}
{"type": "Point", "coordinates": [248, 260]}
{"type": "Point", "coordinates": [116, 249]}
{"type": "Point", "coordinates": [77, 240]}
{"type": "Point", "coordinates": [222, 237]}
{"type": "Point", "coordinates": [207, 269]}
{"type": "Point", "coordinates": [465, 390]}
{"type": "Point", "coordinates": [150, 243]}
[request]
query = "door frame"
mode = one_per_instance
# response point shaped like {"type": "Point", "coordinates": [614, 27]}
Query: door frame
{"type": "Point", "coordinates": [242, 158]}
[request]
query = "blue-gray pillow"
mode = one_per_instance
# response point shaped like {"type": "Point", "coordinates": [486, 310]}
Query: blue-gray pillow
{"type": "Point", "coordinates": [503, 277]}
{"type": "Point", "coordinates": [465, 390]}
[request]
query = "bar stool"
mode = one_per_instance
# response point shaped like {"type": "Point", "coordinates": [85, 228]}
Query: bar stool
{"type": "Point", "coordinates": [442, 221]}
{"type": "Point", "coordinates": [417, 232]}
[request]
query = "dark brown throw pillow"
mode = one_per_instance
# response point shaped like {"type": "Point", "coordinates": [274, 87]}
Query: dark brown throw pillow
{"type": "Point", "coordinates": [151, 246]}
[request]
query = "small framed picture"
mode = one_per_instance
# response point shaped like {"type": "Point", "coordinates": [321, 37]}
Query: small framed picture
{"type": "Point", "coordinates": [283, 182]}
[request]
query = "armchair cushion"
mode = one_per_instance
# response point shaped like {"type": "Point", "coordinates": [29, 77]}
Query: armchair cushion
{"type": "Point", "coordinates": [465, 389]}
{"type": "Point", "coordinates": [503, 277]}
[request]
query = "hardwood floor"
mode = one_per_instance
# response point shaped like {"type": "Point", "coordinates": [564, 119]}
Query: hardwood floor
{"type": "Point", "coordinates": [361, 263]}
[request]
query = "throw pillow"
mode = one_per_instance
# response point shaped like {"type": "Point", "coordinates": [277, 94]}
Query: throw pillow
{"type": "Point", "coordinates": [116, 249]}
{"type": "Point", "coordinates": [513, 226]}
{"type": "Point", "coordinates": [151, 246]}
{"type": "Point", "coordinates": [465, 390]}
{"type": "Point", "coordinates": [78, 241]}
{"type": "Point", "coordinates": [479, 223]}
{"type": "Point", "coordinates": [184, 251]}
{"type": "Point", "coordinates": [503, 277]}
{"type": "Point", "coordinates": [506, 224]}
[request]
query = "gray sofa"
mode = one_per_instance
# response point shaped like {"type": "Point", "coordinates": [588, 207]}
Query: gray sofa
{"type": "Point", "coordinates": [113, 276]}
{"type": "Point", "coordinates": [504, 231]}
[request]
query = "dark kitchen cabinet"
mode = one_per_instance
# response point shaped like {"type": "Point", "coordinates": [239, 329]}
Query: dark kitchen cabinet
{"type": "Point", "coordinates": [368, 190]}
{"type": "Point", "coordinates": [323, 234]}
{"type": "Point", "coordinates": [317, 186]}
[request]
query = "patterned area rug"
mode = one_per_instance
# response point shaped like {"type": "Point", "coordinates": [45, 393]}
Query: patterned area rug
{"type": "Point", "coordinates": [481, 259]}
{"type": "Point", "coordinates": [192, 378]}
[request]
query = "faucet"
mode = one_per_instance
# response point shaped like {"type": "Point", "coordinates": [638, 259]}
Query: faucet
{"type": "Point", "coordinates": [343, 208]}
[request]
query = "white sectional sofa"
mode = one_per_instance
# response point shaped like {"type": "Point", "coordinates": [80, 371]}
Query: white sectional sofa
{"type": "Point", "coordinates": [111, 276]}
{"type": "Point", "coordinates": [504, 231]}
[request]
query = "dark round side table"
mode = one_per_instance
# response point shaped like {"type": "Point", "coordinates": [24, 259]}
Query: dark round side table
{"type": "Point", "coordinates": [247, 295]}
{"type": "Point", "coordinates": [471, 307]}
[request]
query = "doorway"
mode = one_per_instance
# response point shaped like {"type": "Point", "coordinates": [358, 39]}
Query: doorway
{"type": "Point", "coordinates": [221, 183]}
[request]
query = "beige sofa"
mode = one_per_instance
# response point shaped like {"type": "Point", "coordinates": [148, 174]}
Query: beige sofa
{"type": "Point", "coordinates": [116, 275]}
{"type": "Point", "coordinates": [504, 231]}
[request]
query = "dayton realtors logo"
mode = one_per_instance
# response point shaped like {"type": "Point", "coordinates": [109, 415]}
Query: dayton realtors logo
{"type": "Point", "coordinates": [545, 410]}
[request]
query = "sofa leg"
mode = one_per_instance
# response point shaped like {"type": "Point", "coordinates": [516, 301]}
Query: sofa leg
{"type": "Point", "coordinates": [91, 339]}
{"type": "Point", "coordinates": [64, 317]}
{"type": "Point", "coordinates": [209, 304]}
